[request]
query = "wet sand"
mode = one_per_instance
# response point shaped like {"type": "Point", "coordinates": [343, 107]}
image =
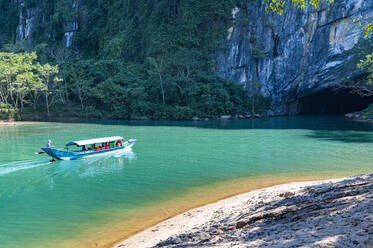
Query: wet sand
{"type": "Point", "coordinates": [19, 123]}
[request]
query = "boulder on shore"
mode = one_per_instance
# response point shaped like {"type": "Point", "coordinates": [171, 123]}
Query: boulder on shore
{"type": "Point", "coordinates": [225, 117]}
{"type": "Point", "coordinates": [365, 115]}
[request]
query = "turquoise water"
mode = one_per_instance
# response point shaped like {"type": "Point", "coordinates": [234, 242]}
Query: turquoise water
{"type": "Point", "coordinates": [43, 203]}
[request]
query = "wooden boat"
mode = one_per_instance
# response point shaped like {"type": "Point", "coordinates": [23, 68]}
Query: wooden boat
{"type": "Point", "coordinates": [91, 148]}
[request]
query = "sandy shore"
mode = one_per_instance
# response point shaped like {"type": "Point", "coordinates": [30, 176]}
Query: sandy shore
{"type": "Point", "coordinates": [329, 213]}
{"type": "Point", "coordinates": [19, 123]}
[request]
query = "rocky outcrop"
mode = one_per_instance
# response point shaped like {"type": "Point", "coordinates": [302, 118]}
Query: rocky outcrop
{"type": "Point", "coordinates": [293, 55]}
{"type": "Point", "coordinates": [28, 21]}
{"type": "Point", "coordinates": [71, 27]}
{"type": "Point", "coordinates": [365, 115]}
{"type": "Point", "coordinates": [26, 25]}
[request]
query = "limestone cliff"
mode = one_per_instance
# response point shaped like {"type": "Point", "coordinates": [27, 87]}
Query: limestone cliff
{"type": "Point", "coordinates": [294, 55]}
{"type": "Point", "coordinates": [26, 25]}
{"type": "Point", "coordinates": [30, 17]}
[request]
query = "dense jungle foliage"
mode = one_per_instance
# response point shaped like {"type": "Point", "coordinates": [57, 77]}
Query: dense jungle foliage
{"type": "Point", "coordinates": [129, 59]}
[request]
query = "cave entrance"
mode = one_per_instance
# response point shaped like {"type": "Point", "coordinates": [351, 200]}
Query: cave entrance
{"type": "Point", "coordinates": [329, 101]}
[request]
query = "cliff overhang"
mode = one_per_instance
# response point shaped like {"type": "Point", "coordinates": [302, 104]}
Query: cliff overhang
{"type": "Point", "coordinates": [304, 52]}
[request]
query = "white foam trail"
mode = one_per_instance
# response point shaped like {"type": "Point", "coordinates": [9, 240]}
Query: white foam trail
{"type": "Point", "coordinates": [128, 154]}
{"type": "Point", "coordinates": [18, 166]}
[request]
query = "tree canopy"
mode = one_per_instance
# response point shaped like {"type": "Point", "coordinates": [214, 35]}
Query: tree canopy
{"type": "Point", "coordinates": [22, 80]}
{"type": "Point", "coordinates": [128, 59]}
{"type": "Point", "coordinates": [132, 59]}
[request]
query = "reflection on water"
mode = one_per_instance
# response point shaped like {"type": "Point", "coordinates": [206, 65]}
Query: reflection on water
{"type": "Point", "coordinates": [93, 166]}
{"type": "Point", "coordinates": [43, 204]}
{"type": "Point", "coordinates": [107, 165]}
{"type": "Point", "coordinates": [309, 122]}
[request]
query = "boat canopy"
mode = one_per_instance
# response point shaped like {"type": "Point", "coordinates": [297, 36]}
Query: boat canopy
{"type": "Point", "coordinates": [94, 141]}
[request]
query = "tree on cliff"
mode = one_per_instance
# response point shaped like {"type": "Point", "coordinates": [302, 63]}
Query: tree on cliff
{"type": "Point", "coordinates": [278, 6]}
{"type": "Point", "coordinates": [367, 65]}
{"type": "Point", "coordinates": [364, 86]}
{"type": "Point", "coordinates": [362, 58]}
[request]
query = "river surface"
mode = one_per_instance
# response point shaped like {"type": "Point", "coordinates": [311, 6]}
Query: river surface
{"type": "Point", "coordinates": [173, 167]}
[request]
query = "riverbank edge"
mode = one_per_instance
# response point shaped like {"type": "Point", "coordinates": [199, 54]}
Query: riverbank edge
{"type": "Point", "coordinates": [150, 118]}
{"type": "Point", "coordinates": [20, 123]}
{"type": "Point", "coordinates": [194, 220]}
{"type": "Point", "coordinates": [365, 115]}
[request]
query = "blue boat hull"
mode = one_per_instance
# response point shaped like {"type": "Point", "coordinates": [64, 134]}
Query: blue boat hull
{"type": "Point", "coordinates": [66, 155]}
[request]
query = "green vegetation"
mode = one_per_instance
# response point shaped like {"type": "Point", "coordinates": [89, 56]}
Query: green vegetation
{"type": "Point", "coordinates": [130, 59]}
{"type": "Point", "coordinates": [367, 114]}
{"type": "Point", "coordinates": [23, 81]}
{"type": "Point", "coordinates": [278, 7]}
{"type": "Point", "coordinates": [362, 86]}
{"type": "Point", "coordinates": [367, 66]}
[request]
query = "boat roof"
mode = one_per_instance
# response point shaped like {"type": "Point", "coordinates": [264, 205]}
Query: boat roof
{"type": "Point", "coordinates": [94, 141]}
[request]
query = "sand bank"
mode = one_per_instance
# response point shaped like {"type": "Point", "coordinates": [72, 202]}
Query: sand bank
{"type": "Point", "coordinates": [329, 213]}
{"type": "Point", "coordinates": [19, 123]}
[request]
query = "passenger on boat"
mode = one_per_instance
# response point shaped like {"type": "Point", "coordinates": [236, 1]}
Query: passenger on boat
{"type": "Point", "coordinates": [49, 144]}
{"type": "Point", "coordinates": [83, 149]}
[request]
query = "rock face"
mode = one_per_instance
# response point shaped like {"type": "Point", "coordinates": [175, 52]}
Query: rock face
{"type": "Point", "coordinates": [28, 18]}
{"type": "Point", "coordinates": [293, 55]}
{"type": "Point", "coordinates": [26, 25]}
{"type": "Point", "coordinates": [363, 116]}
{"type": "Point", "coordinates": [71, 27]}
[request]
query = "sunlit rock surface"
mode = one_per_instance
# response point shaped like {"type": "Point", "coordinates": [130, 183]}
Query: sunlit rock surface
{"type": "Point", "coordinates": [292, 56]}
{"type": "Point", "coordinates": [304, 52]}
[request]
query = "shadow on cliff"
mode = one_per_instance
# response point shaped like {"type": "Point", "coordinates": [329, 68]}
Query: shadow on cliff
{"type": "Point", "coordinates": [325, 215]}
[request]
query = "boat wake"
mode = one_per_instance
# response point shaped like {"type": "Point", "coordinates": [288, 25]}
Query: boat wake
{"type": "Point", "coordinates": [20, 165]}
{"type": "Point", "coordinates": [127, 153]}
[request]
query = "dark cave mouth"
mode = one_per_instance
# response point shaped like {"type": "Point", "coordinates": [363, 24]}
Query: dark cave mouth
{"type": "Point", "coordinates": [331, 102]}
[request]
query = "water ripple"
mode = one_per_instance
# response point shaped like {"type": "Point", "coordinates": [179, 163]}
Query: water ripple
{"type": "Point", "coordinates": [19, 166]}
